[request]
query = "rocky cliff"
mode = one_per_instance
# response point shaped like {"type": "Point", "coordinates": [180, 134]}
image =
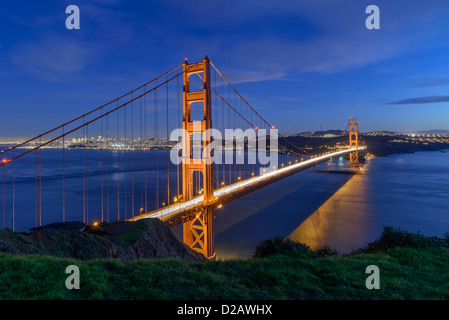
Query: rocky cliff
{"type": "Point", "coordinates": [123, 240]}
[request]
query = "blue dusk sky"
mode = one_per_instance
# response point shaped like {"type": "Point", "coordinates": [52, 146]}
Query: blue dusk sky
{"type": "Point", "coordinates": [297, 62]}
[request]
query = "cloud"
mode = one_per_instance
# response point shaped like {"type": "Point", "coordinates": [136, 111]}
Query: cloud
{"type": "Point", "coordinates": [328, 38]}
{"type": "Point", "coordinates": [422, 100]}
{"type": "Point", "coordinates": [240, 76]}
{"type": "Point", "coordinates": [324, 55]}
{"type": "Point", "coordinates": [56, 54]}
{"type": "Point", "coordinates": [53, 57]}
{"type": "Point", "coordinates": [431, 82]}
{"type": "Point", "coordinates": [108, 2]}
{"type": "Point", "coordinates": [379, 100]}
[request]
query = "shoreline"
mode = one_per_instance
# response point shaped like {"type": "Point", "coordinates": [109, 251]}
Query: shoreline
{"type": "Point", "coordinates": [383, 149]}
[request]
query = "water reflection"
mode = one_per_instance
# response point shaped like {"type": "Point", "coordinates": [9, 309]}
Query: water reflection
{"type": "Point", "coordinates": [342, 222]}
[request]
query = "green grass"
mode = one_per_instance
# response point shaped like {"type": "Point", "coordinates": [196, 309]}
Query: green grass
{"type": "Point", "coordinates": [132, 235]}
{"type": "Point", "coordinates": [405, 273]}
{"type": "Point", "coordinates": [417, 270]}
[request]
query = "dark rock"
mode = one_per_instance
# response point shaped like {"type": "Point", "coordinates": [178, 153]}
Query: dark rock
{"type": "Point", "coordinates": [123, 240]}
{"type": "Point", "coordinates": [68, 226]}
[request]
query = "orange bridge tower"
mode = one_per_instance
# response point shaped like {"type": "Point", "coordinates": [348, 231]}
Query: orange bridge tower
{"type": "Point", "coordinates": [198, 233]}
{"type": "Point", "coordinates": [353, 142]}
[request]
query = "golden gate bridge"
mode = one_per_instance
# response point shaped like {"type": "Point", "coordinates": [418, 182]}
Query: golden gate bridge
{"type": "Point", "coordinates": [126, 171]}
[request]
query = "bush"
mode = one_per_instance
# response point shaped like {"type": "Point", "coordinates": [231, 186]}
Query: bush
{"type": "Point", "coordinates": [393, 237]}
{"type": "Point", "coordinates": [278, 245]}
{"type": "Point", "coordinates": [325, 251]}
{"type": "Point", "coordinates": [446, 237]}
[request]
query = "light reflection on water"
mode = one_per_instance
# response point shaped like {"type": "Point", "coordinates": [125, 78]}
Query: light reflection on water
{"type": "Point", "coordinates": [341, 221]}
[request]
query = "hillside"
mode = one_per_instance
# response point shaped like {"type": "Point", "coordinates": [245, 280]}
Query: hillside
{"type": "Point", "coordinates": [123, 240]}
{"type": "Point", "coordinates": [379, 146]}
{"type": "Point", "coordinates": [411, 267]}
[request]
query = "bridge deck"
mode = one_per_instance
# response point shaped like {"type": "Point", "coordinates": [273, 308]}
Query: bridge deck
{"type": "Point", "coordinates": [184, 211]}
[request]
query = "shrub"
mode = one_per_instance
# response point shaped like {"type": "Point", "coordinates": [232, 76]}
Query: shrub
{"type": "Point", "coordinates": [279, 245]}
{"type": "Point", "coordinates": [325, 251]}
{"type": "Point", "coordinates": [446, 237]}
{"type": "Point", "coordinates": [393, 237]}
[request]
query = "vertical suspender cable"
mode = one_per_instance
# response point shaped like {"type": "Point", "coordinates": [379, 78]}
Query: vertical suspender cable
{"type": "Point", "coordinates": [36, 188]}
{"type": "Point", "coordinates": [141, 160]}
{"type": "Point", "coordinates": [63, 174]}
{"type": "Point", "coordinates": [223, 133]}
{"type": "Point", "coordinates": [132, 156]}
{"type": "Point", "coordinates": [178, 125]}
{"type": "Point", "coordinates": [4, 198]}
{"type": "Point", "coordinates": [125, 143]}
{"type": "Point", "coordinates": [102, 168]}
{"type": "Point", "coordinates": [84, 173]}
{"type": "Point", "coordinates": [118, 166]}
{"type": "Point", "coordinates": [87, 174]}
{"type": "Point", "coordinates": [107, 166]}
{"type": "Point", "coordinates": [156, 129]}
{"type": "Point", "coordinates": [146, 150]}
{"type": "Point", "coordinates": [13, 193]}
{"type": "Point", "coordinates": [40, 184]}
{"type": "Point", "coordinates": [168, 152]}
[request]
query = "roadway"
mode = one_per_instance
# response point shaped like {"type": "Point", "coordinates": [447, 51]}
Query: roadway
{"type": "Point", "coordinates": [180, 208]}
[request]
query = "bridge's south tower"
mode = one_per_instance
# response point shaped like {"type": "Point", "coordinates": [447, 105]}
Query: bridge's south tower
{"type": "Point", "coordinates": [353, 142]}
{"type": "Point", "coordinates": [198, 233]}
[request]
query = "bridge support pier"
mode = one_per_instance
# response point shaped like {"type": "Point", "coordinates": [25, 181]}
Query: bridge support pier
{"type": "Point", "coordinates": [198, 233]}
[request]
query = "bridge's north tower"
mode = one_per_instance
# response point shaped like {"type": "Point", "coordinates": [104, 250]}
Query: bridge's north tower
{"type": "Point", "coordinates": [198, 233]}
{"type": "Point", "coordinates": [353, 142]}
